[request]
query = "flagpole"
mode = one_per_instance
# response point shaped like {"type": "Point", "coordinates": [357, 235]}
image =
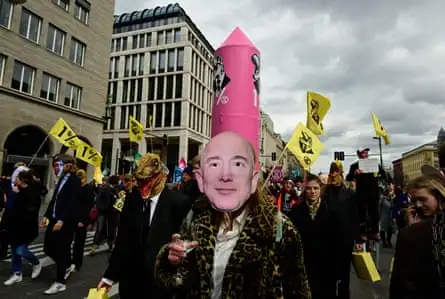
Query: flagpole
{"type": "Point", "coordinates": [274, 166]}
{"type": "Point", "coordinates": [38, 150]}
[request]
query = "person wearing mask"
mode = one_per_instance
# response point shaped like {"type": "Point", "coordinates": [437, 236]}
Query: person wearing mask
{"type": "Point", "coordinates": [313, 222]}
{"type": "Point", "coordinates": [150, 215]}
{"type": "Point", "coordinates": [106, 214]}
{"type": "Point", "coordinates": [22, 225]}
{"type": "Point", "coordinates": [299, 189]}
{"type": "Point", "coordinates": [255, 251]}
{"type": "Point", "coordinates": [60, 229]}
{"type": "Point", "coordinates": [419, 269]}
{"type": "Point", "coordinates": [82, 207]}
{"type": "Point", "coordinates": [343, 213]}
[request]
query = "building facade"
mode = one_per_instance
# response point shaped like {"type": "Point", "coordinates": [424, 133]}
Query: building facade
{"type": "Point", "coordinates": [161, 74]}
{"type": "Point", "coordinates": [272, 146]}
{"type": "Point", "coordinates": [397, 170]}
{"type": "Point", "coordinates": [53, 63]}
{"type": "Point", "coordinates": [413, 160]}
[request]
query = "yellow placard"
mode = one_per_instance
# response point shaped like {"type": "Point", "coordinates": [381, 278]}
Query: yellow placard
{"type": "Point", "coordinates": [317, 108]}
{"type": "Point", "coordinates": [89, 154]}
{"type": "Point", "coordinates": [136, 130]}
{"type": "Point", "coordinates": [305, 145]}
{"type": "Point", "coordinates": [64, 134]}
{"type": "Point", "coordinates": [119, 204]}
{"type": "Point", "coordinates": [97, 294]}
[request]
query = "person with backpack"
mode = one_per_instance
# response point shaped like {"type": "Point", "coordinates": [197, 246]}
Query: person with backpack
{"type": "Point", "coordinates": [255, 250]}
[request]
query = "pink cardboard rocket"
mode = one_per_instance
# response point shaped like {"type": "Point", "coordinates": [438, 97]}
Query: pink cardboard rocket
{"type": "Point", "coordinates": [236, 84]}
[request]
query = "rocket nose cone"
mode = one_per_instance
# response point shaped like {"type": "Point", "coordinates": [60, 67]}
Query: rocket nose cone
{"type": "Point", "coordinates": [237, 37]}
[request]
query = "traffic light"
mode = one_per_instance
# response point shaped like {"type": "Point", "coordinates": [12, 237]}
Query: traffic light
{"type": "Point", "coordinates": [165, 140]}
{"type": "Point", "coordinates": [274, 156]}
{"type": "Point", "coordinates": [340, 156]}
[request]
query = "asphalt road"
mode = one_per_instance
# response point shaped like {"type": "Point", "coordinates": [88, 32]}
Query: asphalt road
{"type": "Point", "coordinates": [79, 283]}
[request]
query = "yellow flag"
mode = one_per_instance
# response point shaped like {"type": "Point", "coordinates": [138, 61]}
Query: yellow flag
{"type": "Point", "coordinates": [64, 134]}
{"type": "Point", "coordinates": [379, 130]}
{"type": "Point", "coordinates": [89, 154]}
{"type": "Point", "coordinates": [305, 145]}
{"type": "Point", "coordinates": [317, 108]}
{"type": "Point", "coordinates": [98, 176]}
{"type": "Point", "coordinates": [136, 130]}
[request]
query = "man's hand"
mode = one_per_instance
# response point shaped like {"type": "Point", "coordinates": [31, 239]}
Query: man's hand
{"type": "Point", "coordinates": [103, 285]}
{"type": "Point", "coordinates": [80, 225]}
{"type": "Point", "coordinates": [43, 222]}
{"type": "Point", "coordinates": [58, 226]}
{"type": "Point", "coordinates": [177, 249]}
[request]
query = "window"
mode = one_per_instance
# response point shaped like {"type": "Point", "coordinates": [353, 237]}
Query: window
{"type": "Point", "coordinates": [124, 43]}
{"type": "Point", "coordinates": [148, 40]}
{"type": "Point", "coordinates": [127, 66]}
{"type": "Point", "coordinates": [161, 62]}
{"type": "Point", "coordinates": [178, 87]}
{"type": "Point", "coordinates": [160, 38]}
{"type": "Point", "coordinates": [82, 11]}
{"type": "Point", "coordinates": [116, 67]}
{"type": "Point", "coordinates": [123, 117]}
{"type": "Point", "coordinates": [153, 62]}
{"type": "Point", "coordinates": [135, 42]}
{"type": "Point", "coordinates": [56, 39]}
{"type": "Point", "coordinates": [64, 4]}
{"type": "Point", "coordinates": [180, 60]}
{"type": "Point", "coordinates": [73, 96]}
{"type": "Point", "coordinates": [169, 37]}
{"type": "Point", "coordinates": [5, 13]}
{"type": "Point", "coordinates": [113, 117]}
{"type": "Point", "coordinates": [137, 114]}
{"type": "Point", "coordinates": [50, 88]}
{"type": "Point", "coordinates": [177, 114]}
{"type": "Point", "coordinates": [30, 25]}
{"type": "Point", "coordinates": [134, 65]}
{"type": "Point", "coordinates": [171, 61]}
{"type": "Point", "coordinates": [23, 77]}
{"type": "Point", "coordinates": [2, 67]}
{"type": "Point", "coordinates": [141, 40]}
{"type": "Point", "coordinates": [77, 53]}
{"type": "Point", "coordinates": [112, 92]}
{"type": "Point", "coordinates": [125, 91]}
{"type": "Point", "coordinates": [141, 63]}
{"type": "Point", "coordinates": [168, 114]}
{"type": "Point", "coordinates": [132, 91]}
{"type": "Point", "coordinates": [169, 89]}
{"type": "Point", "coordinates": [151, 89]}
{"type": "Point", "coordinates": [177, 35]}
{"type": "Point", "coordinates": [158, 118]}
{"type": "Point", "coordinates": [139, 90]}
{"type": "Point", "coordinates": [160, 91]}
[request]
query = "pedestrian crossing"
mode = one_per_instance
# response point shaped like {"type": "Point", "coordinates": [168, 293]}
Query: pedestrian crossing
{"type": "Point", "coordinates": [38, 251]}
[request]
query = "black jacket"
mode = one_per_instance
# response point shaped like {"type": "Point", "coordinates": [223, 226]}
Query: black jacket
{"type": "Point", "coordinates": [83, 204]}
{"type": "Point", "coordinates": [62, 202]}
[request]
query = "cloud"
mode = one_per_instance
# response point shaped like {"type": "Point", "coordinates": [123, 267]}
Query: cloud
{"type": "Point", "coordinates": [367, 56]}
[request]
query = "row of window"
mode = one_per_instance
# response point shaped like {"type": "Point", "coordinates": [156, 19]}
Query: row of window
{"type": "Point", "coordinates": [160, 62]}
{"type": "Point", "coordinates": [199, 120]}
{"type": "Point", "coordinates": [148, 24]}
{"type": "Point", "coordinates": [23, 80]}
{"type": "Point", "coordinates": [201, 70]}
{"type": "Point", "coordinates": [145, 40]}
{"type": "Point", "coordinates": [163, 115]}
{"type": "Point", "coordinates": [81, 9]}
{"type": "Point", "coordinates": [31, 28]}
{"type": "Point", "coordinates": [158, 88]}
{"type": "Point", "coordinates": [200, 95]}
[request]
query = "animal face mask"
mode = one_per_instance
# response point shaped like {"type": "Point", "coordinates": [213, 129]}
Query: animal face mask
{"type": "Point", "coordinates": [151, 175]}
{"type": "Point", "coordinates": [227, 176]}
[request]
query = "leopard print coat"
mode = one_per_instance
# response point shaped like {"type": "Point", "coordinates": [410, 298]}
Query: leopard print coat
{"type": "Point", "coordinates": [259, 266]}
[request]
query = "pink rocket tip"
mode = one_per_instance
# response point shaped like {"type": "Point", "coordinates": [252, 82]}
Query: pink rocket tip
{"type": "Point", "coordinates": [237, 38]}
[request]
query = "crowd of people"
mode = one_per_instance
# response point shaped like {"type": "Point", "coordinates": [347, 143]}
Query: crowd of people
{"type": "Point", "coordinates": [222, 232]}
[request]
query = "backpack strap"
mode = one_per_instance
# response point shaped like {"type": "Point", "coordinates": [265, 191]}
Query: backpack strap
{"type": "Point", "coordinates": [279, 228]}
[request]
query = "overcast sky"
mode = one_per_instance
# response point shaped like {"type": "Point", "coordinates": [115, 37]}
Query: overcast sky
{"type": "Point", "coordinates": [380, 56]}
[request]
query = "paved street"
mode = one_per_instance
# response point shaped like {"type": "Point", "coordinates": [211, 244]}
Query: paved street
{"type": "Point", "coordinates": [79, 283]}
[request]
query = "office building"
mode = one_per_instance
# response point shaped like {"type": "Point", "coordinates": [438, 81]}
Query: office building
{"type": "Point", "coordinates": [161, 74]}
{"type": "Point", "coordinates": [53, 64]}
